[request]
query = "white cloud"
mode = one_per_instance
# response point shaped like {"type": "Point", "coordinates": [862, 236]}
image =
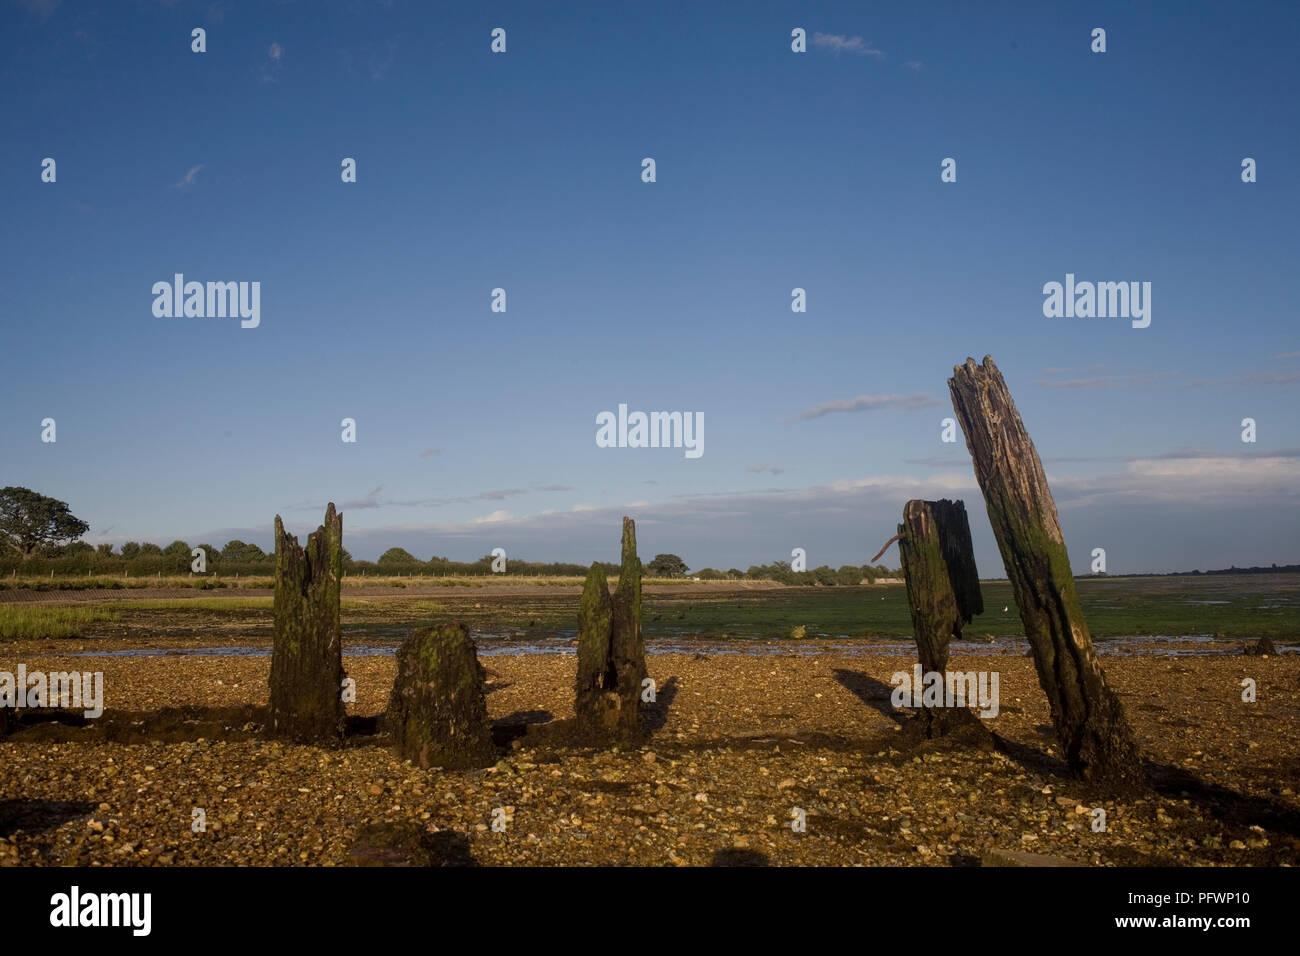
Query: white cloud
{"type": "Point", "coordinates": [188, 178]}
{"type": "Point", "coordinates": [839, 43]}
{"type": "Point", "coordinates": [864, 403]}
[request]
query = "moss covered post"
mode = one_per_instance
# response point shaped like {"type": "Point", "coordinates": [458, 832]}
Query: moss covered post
{"type": "Point", "coordinates": [943, 593]}
{"type": "Point", "coordinates": [611, 650]}
{"type": "Point", "coordinates": [307, 657]}
{"type": "Point", "coordinates": [1089, 719]}
{"type": "Point", "coordinates": [597, 708]}
{"type": "Point", "coordinates": [943, 588]}
{"type": "Point", "coordinates": [437, 714]}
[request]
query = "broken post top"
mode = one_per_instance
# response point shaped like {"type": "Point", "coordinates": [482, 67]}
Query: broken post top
{"type": "Point", "coordinates": [1000, 446]}
{"type": "Point", "coordinates": [320, 561]}
{"type": "Point", "coordinates": [333, 521]}
{"type": "Point", "coordinates": [944, 524]}
{"type": "Point", "coordinates": [629, 574]}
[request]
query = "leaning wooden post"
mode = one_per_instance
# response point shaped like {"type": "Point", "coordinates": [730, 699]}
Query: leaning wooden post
{"type": "Point", "coordinates": [943, 593]}
{"type": "Point", "coordinates": [307, 657]}
{"type": "Point", "coordinates": [1089, 719]}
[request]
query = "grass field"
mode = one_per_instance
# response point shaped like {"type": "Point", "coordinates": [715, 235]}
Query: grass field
{"type": "Point", "coordinates": [19, 621]}
{"type": "Point", "coordinates": [1229, 606]}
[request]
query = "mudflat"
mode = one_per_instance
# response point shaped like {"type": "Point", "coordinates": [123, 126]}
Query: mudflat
{"type": "Point", "coordinates": [740, 747]}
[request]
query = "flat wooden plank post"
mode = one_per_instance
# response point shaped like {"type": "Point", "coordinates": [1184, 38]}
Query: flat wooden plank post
{"type": "Point", "coordinates": [943, 588]}
{"type": "Point", "coordinates": [943, 593]}
{"type": "Point", "coordinates": [1089, 719]}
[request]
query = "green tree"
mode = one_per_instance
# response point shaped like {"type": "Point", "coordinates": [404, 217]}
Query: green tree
{"type": "Point", "coordinates": [237, 552]}
{"type": "Point", "coordinates": [398, 557]}
{"type": "Point", "coordinates": [178, 555]}
{"type": "Point", "coordinates": [150, 550]}
{"type": "Point", "coordinates": [104, 551]}
{"type": "Point", "coordinates": [666, 566]}
{"type": "Point", "coordinates": [131, 550]}
{"type": "Point", "coordinates": [30, 521]}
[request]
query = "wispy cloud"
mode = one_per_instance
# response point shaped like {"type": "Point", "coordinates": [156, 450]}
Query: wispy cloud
{"type": "Point", "coordinates": [914, 65]}
{"type": "Point", "coordinates": [759, 469]}
{"type": "Point", "coordinates": [1105, 381]}
{"type": "Point", "coordinates": [500, 495]}
{"type": "Point", "coordinates": [371, 500]}
{"type": "Point", "coordinates": [380, 65]}
{"type": "Point", "coordinates": [935, 461]}
{"type": "Point", "coordinates": [1272, 378]}
{"type": "Point", "coordinates": [553, 487]}
{"type": "Point", "coordinates": [272, 64]}
{"type": "Point", "coordinates": [1178, 454]}
{"type": "Point", "coordinates": [1287, 355]}
{"type": "Point", "coordinates": [867, 403]}
{"type": "Point", "coordinates": [430, 451]}
{"type": "Point", "coordinates": [188, 178]}
{"type": "Point", "coordinates": [839, 43]}
{"type": "Point", "coordinates": [1128, 509]}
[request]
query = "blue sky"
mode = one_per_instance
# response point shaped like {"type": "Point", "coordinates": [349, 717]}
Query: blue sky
{"type": "Point", "coordinates": [775, 170]}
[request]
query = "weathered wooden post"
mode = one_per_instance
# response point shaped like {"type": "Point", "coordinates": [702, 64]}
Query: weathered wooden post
{"type": "Point", "coordinates": [943, 593]}
{"type": "Point", "coordinates": [611, 651]}
{"type": "Point", "coordinates": [307, 657]}
{"type": "Point", "coordinates": [1089, 719]}
{"type": "Point", "coordinates": [597, 709]}
{"type": "Point", "coordinates": [437, 713]}
{"type": "Point", "coordinates": [943, 587]}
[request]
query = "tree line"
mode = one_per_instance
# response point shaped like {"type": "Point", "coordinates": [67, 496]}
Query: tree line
{"type": "Point", "coordinates": [39, 535]}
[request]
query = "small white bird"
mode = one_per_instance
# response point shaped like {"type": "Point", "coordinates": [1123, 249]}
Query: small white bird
{"type": "Point", "coordinates": [1004, 608]}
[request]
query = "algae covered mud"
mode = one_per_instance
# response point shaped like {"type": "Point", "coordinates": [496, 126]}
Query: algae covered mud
{"type": "Point", "coordinates": [760, 748]}
{"type": "Point", "coordinates": [1231, 607]}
